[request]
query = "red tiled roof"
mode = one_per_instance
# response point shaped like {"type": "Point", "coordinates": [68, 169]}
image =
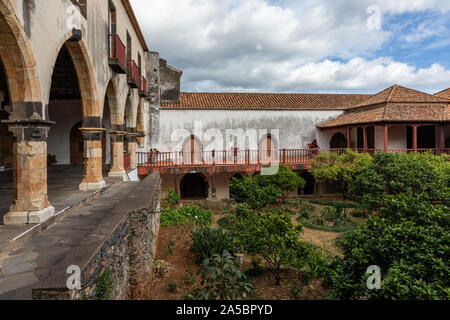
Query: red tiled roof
{"type": "Point", "coordinates": [264, 101]}
{"type": "Point", "coordinates": [395, 104]}
{"type": "Point", "coordinates": [444, 94]}
{"type": "Point", "coordinates": [399, 94]}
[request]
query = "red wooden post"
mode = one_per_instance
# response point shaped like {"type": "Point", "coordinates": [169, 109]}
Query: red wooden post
{"type": "Point", "coordinates": [284, 156]}
{"type": "Point", "coordinates": [442, 144]}
{"type": "Point", "coordinates": [386, 138]}
{"type": "Point", "coordinates": [365, 138]}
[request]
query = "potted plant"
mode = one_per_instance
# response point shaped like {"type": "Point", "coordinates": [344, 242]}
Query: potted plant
{"type": "Point", "coordinates": [4, 155]}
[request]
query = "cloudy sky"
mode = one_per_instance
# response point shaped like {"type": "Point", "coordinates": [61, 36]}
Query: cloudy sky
{"type": "Point", "coordinates": [301, 45]}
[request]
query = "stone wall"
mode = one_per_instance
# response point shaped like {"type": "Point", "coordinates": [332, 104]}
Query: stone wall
{"type": "Point", "coordinates": [122, 266]}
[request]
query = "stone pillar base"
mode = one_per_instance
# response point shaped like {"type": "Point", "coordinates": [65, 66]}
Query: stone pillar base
{"type": "Point", "coordinates": [33, 217]}
{"type": "Point", "coordinates": [121, 174]}
{"type": "Point", "coordinates": [92, 186]}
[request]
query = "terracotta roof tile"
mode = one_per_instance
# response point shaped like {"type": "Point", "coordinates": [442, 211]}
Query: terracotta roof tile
{"type": "Point", "coordinates": [444, 94]}
{"type": "Point", "coordinates": [395, 104]}
{"type": "Point", "coordinates": [264, 101]}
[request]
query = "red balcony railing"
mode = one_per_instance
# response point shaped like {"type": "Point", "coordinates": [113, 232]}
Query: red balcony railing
{"type": "Point", "coordinates": [117, 54]}
{"type": "Point", "coordinates": [248, 157]}
{"type": "Point", "coordinates": [134, 78]}
{"type": "Point", "coordinates": [143, 87]}
{"type": "Point", "coordinates": [127, 161]}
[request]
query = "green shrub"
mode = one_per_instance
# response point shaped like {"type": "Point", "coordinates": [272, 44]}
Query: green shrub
{"type": "Point", "coordinates": [208, 241]}
{"type": "Point", "coordinates": [284, 180]}
{"type": "Point", "coordinates": [329, 214]}
{"type": "Point", "coordinates": [246, 190]}
{"type": "Point", "coordinates": [221, 279]}
{"type": "Point", "coordinates": [172, 286]}
{"type": "Point", "coordinates": [190, 215]}
{"type": "Point", "coordinates": [307, 210]}
{"type": "Point", "coordinates": [409, 242]}
{"type": "Point", "coordinates": [271, 235]}
{"type": "Point", "coordinates": [172, 198]}
{"type": "Point", "coordinates": [104, 285]}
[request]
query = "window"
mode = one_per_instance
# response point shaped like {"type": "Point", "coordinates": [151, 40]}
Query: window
{"type": "Point", "coordinates": [139, 63]}
{"type": "Point", "coordinates": [112, 19]}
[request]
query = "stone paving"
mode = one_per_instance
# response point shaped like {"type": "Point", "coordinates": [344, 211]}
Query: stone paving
{"type": "Point", "coordinates": [73, 240]}
{"type": "Point", "coordinates": [63, 193]}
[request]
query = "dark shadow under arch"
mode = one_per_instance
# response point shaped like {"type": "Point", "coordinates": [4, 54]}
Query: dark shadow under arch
{"type": "Point", "coordinates": [338, 141]}
{"type": "Point", "coordinates": [310, 187]}
{"type": "Point", "coordinates": [194, 186]}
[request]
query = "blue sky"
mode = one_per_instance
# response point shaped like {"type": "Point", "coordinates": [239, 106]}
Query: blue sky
{"type": "Point", "coordinates": [301, 46]}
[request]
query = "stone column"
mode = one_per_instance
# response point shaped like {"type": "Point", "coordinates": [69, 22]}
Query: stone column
{"type": "Point", "coordinates": [93, 173]}
{"type": "Point", "coordinates": [132, 142]}
{"type": "Point", "coordinates": [141, 139]}
{"type": "Point", "coordinates": [117, 166]}
{"type": "Point", "coordinates": [30, 200]}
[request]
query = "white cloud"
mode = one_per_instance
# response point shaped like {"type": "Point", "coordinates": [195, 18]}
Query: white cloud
{"type": "Point", "coordinates": [282, 45]}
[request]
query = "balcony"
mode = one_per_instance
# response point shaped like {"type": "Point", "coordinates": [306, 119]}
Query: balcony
{"type": "Point", "coordinates": [244, 160]}
{"type": "Point", "coordinates": [134, 79]}
{"type": "Point", "coordinates": [117, 54]}
{"type": "Point", "coordinates": [143, 87]}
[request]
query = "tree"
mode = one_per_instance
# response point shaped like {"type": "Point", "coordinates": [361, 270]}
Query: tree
{"type": "Point", "coordinates": [410, 243]}
{"type": "Point", "coordinates": [246, 190]}
{"type": "Point", "coordinates": [339, 169]}
{"type": "Point", "coordinates": [409, 239]}
{"type": "Point", "coordinates": [409, 174]}
{"type": "Point", "coordinates": [284, 180]}
{"type": "Point", "coordinates": [273, 236]}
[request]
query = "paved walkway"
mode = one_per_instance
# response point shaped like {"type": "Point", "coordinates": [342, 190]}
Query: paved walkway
{"type": "Point", "coordinates": [72, 241]}
{"type": "Point", "coordinates": [63, 193]}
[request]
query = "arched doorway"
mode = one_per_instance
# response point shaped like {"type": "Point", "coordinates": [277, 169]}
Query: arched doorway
{"type": "Point", "coordinates": [192, 150]}
{"type": "Point", "coordinates": [194, 186]}
{"type": "Point", "coordinates": [310, 187]}
{"type": "Point", "coordinates": [65, 139]}
{"type": "Point", "coordinates": [74, 98]}
{"type": "Point", "coordinates": [338, 141]}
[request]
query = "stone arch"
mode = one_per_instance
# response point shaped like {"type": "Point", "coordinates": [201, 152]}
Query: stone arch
{"type": "Point", "coordinates": [338, 141]}
{"type": "Point", "coordinates": [20, 67]}
{"type": "Point", "coordinates": [116, 115]}
{"type": "Point", "coordinates": [86, 79]}
{"type": "Point", "coordinates": [194, 186]}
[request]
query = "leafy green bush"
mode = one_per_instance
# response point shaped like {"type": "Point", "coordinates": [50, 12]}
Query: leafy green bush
{"type": "Point", "coordinates": [284, 180]}
{"type": "Point", "coordinates": [410, 174]}
{"type": "Point", "coordinates": [273, 236]}
{"type": "Point", "coordinates": [221, 279]}
{"type": "Point", "coordinates": [191, 215]}
{"type": "Point", "coordinates": [172, 198]}
{"type": "Point", "coordinates": [339, 169]}
{"type": "Point", "coordinates": [307, 210]}
{"type": "Point", "coordinates": [329, 213]}
{"type": "Point", "coordinates": [104, 285]}
{"type": "Point", "coordinates": [410, 243]}
{"type": "Point", "coordinates": [246, 190]}
{"type": "Point", "coordinates": [208, 241]}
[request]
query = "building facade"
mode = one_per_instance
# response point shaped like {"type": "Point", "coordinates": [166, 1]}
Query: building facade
{"type": "Point", "coordinates": [77, 86]}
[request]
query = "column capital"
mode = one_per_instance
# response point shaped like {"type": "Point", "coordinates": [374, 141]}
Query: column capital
{"type": "Point", "coordinates": [29, 130]}
{"type": "Point", "coordinates": [92, 134]}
